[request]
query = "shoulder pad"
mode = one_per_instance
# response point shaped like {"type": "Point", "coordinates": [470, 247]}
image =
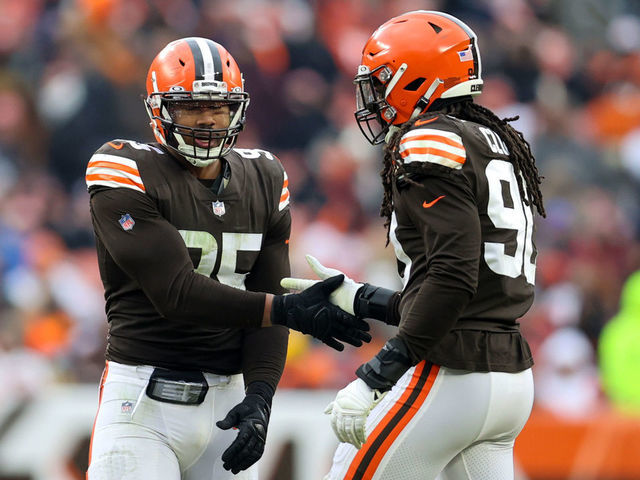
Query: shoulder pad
{"type": "Point", "coordinates": [271, 163]}
{"type": "Point", "coordinates": [433, 145]}
{"type": "Point", "coordinates": [114, 165]}
{"type": "Point", "coordinates": [254, 153]}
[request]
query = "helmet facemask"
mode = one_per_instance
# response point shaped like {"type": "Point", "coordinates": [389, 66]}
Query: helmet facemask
{"type": "Point", "coordinates": [373, 114]}
{"type": "Point", "coordinates": [200, 146]}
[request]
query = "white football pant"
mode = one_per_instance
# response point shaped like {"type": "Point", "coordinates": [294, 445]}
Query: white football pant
{"type": "Point", "coordinates": [436, 420]}
{"type": "Point", "coordinates": [138, 438]}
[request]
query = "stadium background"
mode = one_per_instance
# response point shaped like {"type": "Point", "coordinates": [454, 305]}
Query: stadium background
{"type": "Point", "coordinates": [71, 77]}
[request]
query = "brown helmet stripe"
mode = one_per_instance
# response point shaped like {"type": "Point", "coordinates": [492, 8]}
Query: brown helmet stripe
{"type": "Point", "coordinates": [207, 62]}
{"type": "Point", "coordinates": [472, 38]}
{"type": "Point", "coordinates": [217, 61]}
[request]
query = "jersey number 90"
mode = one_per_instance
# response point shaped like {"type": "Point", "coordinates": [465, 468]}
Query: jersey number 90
{"type": "Point", "coordinates": [514, 216]}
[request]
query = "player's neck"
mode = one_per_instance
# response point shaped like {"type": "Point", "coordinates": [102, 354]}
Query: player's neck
{"type": "Point", "coordinates": [209, 172]}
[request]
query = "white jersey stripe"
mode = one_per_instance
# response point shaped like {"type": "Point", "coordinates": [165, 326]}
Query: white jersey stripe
{"type": "Point", "coordinates": [431, 158]}
{"type": "Point", "coordinates": [433, 144]}
{"type": "Point", "coordinates": [105, 157]}
{"type": "Point", "coordinates": [114, 172]}
{"type": "Point", "coordinates": [432, 131]}
{"type": "Point", "coordinates": [422, 145]}
{"type": "Point", "coordinates": [397, 248]}
{"type": "Point", "coordinates": [284, 196]}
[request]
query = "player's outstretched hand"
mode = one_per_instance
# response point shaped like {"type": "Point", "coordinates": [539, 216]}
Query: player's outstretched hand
{"type": "Point", "coordinates": [251, 418]}
{"type": "Point", "coordinates": [311, 312]}
{"type": "Point", "coordinates": [350, 409]}
{"type": "Point", "coordinates": [344, 296]}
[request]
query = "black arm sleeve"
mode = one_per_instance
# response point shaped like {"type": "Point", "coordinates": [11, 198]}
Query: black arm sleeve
{"type": "Point", "coordinates": [451, 233]}
{"type": "Point", "coordinates": [265, 349]}
{"type": "Point", "coordinates": [155, 256]}
{"type": "Point", "coordinates": [393, 310]}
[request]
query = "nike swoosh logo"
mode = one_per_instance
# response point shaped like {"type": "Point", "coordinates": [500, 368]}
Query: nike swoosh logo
{"type": "Point", "coordinates": [432, 202]}
{"type": "Point", "coordinates": [117, 146]}
{"type": "Point", "coordinates": [424, 122]}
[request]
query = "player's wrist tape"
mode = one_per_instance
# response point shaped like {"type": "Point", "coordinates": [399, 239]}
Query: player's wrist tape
{"type": "Point", "coordinates": [385, 369]}
{"type": "Point", "coordinates": [372, 302]}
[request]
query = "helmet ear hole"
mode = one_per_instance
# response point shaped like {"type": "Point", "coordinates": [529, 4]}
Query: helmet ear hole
{"type": "Point", "coordinates": [414, 84]}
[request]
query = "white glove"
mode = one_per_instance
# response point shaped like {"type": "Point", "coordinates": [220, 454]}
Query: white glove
{"type": "Point", "coordinates": [350, 409]}
{"type": "Point", "coordinates": [343, 296]}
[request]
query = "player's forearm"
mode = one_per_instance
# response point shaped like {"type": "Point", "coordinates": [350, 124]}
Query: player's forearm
{"type": "Point", "coordinates": [194, 297]}
{"type": "Point", "coordinates": [433, 314]}
{"type": "Point", "coordinates": [264, 354]}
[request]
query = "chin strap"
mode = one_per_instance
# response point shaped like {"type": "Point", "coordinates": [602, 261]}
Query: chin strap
{"type": "Point", "coordinates": [392, 129]}
{"type": "Point", "coordinates": [424, 100]}
{"type": "Point", "coordinates": [420, 106]}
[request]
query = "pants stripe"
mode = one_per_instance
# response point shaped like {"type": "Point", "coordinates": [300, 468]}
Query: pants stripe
{"type": "Point", "coordinates": [102, 380]}
{"type": "Point", "coordinates": [368, 458]}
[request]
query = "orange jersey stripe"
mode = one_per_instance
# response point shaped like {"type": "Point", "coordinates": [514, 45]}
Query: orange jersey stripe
{"type": "Point", "coordinates": [432, 151]}
{"type": "Point", "coordinates": [284, 196]}
{"type": "Point", "coordinates": [113, 178]}
{"type": "Point", "coordinates": [285, 184]}
{"type": "Point", "coordinates": [359, 462]}
{"type": "Point", "coordinates": [435, 138]}
{"type": "Point", "coordinates": [114, 166]}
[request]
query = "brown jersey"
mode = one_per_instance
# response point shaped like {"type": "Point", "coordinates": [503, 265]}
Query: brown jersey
{"type": "Point", "coordinates": [180, 261]}
{"type": "Point", "coordinates": [463, 235]}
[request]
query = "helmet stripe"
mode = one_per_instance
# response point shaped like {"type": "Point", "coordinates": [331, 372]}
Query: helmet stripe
{"type": "Point", "coordinates": [477, 63]}
{"type": "Point", "coordinates": [207, 59]}
{"type": "Point", "coordinates": [477, 66]}
{"type": "Point", "coordinates": [217, 61]}
{"type": "Point", "coordinates": [197, 58]}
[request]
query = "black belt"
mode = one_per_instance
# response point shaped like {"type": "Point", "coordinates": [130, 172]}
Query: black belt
{"type": "Point", "coordinates": [177, 386]}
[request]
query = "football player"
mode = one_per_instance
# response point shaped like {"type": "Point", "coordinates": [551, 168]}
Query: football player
{"type": "Point", "coordinates": [189, 232]}
{"type": "Point", "coordinates": [452, 390]}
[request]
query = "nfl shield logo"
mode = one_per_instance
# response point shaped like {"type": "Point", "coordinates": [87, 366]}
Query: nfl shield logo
{"type": "Point", "coordinates": [218, 208]}
{"type": "Point", "coordinates": [126, 222]}
{"type": "Point", "coordinates": [126, 407]}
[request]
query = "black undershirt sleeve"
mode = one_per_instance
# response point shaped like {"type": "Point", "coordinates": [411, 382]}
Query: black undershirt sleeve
{"type": "Point", "coordinates": [393, 310]}
{"type": "Point", "coordinates": [154, 254]}
{"type": "Point", "coordinates": [265, 349]}
{"type": "Point", "coordinates": [451, 233]}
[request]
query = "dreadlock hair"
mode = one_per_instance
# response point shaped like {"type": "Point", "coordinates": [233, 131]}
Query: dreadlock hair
{"type": "Point", "coordinates": [520, 154]}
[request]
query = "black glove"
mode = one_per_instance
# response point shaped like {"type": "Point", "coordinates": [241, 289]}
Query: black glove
{"type": "Point", "coordinates": [311, 312]}
{"type": "Point", "coordinates": [251, 418]}
{"type": "Point", "coordinates": [385, 369]}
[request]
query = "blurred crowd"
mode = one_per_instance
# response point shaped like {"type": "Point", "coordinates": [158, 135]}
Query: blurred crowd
{"type": "Point", "coordinates": [72, 77]}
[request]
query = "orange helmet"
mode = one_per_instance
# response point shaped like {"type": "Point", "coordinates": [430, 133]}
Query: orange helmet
{"type": "Point", "coordinates": [408, 63]}
{"type": "Point", "coordinates": [199, 71]}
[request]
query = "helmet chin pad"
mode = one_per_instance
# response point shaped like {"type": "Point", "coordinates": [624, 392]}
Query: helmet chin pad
{"type": "Point", "coordinates": [201, 157]}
